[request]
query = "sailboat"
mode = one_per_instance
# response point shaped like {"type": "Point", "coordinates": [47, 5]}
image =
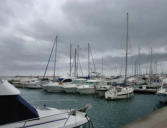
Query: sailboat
{"type": "Point", "coordinates": [152, 84]}
{"type": "Point", "coordinates": [53, 86]}
{"type": "Point", "coordinates": [125, 91]}
{"type": "Point", "coordinates": [89, 87]}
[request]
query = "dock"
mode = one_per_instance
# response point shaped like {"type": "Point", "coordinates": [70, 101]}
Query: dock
{"type": "Point", "coordinates": [157, 119]}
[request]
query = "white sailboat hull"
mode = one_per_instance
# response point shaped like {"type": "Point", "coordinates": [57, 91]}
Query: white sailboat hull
{"type": "Point", "coordinates": [113, 94]}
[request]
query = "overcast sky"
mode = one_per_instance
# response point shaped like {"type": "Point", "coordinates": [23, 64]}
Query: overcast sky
{"type": "Point", "coordinates": [28, 28]}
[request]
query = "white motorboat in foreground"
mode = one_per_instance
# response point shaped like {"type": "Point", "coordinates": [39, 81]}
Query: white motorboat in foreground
{"type": "Point", "coordinates": [17, 113]}
{"type": "Point", "coordinates": [118, 92]}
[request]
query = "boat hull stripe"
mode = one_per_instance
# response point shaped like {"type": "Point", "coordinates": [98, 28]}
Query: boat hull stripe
{"type": "Point", "coordinates": [44, 122]}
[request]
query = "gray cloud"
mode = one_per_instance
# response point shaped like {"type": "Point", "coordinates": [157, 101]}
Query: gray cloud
{"type": "Point", "coordinates": [28, 29]}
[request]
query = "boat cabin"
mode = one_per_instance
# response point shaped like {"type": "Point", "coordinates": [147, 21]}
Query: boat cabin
{"type": "Point", "coordinates": [13, 107]}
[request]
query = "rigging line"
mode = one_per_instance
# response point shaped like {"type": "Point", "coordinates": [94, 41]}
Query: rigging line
{"type": "Point", "coordinates": [49, 58]}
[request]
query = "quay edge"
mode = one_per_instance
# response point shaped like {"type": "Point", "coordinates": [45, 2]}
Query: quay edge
{"type": "Point", "coordinates": [157, 119]}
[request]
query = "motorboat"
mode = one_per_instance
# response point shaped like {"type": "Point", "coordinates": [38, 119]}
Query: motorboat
{"type": "Point", "coordinates": [119, 92]}
{"type": "Point", "coordinates": [103, 88]}
{"type": "Point", "coordinates": [18, 113]}
{"type": "Point", "coordinates": [33, 84]}
{"type": "Point", "coordinates": [162, 90]}
{"type": "Point", "coordinates": [86, 89]}
{"type": "Point", "coordinates": [72, 87]}
{"type": "Point", "coordinates": [54, 86]}
{"type": "Point", "coordinates": [89, 87]}
{"type": "Point", "coordinates": [145, 89]}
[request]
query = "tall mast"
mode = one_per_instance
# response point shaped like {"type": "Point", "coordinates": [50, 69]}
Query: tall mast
{"type": "Point", "coordinates": [70, 58]}
{"type": "Point", "coordinates": [88, 59]}
{"type": "Point", "coordinates": [135, 68]}
{"type": "Point", "coordinates": [77, 59]}
{"type": "Point", "coordinates": [151, 69]}
{"type": "Point", "coordinates": [126, 66]}
{"type": "Point", "coordinates": [102, 66]}
{"type": "Point", "coordinates": [139, 66]}
{"type": "Point", "coordinates": [54, 74]}
{"type": "Point", "coordinates": [75, 62]}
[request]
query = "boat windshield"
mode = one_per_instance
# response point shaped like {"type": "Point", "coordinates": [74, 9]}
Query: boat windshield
{"type": "Point", "coordinates": [78, 81]}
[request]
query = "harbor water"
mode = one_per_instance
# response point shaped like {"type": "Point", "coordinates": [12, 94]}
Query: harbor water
{"type": "Point", "coordinates": [104, 114]}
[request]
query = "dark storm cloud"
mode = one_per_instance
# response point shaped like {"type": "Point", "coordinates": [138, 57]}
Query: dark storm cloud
{"type": "Point", "coordinates": [107, 21]}
{"type": "Point", "coordinates": [28, 29]}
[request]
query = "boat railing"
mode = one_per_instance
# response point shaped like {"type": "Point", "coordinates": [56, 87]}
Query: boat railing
{"type": "Point", "coordinates": [70, 112]}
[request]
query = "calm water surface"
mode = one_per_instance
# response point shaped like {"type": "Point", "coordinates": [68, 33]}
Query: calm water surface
{"type": "Point", "coordinates": [105, 114]}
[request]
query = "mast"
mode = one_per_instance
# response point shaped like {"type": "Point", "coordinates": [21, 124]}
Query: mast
{"type": "Point", "coordinates": [75, 63]}
{"type": "Point", "coordinates": [135, 68]}
{"type": "Point", "coordinates": [54, 74]}
{"type": "Point", "coordinates": [88, 59]}
{"type": "Point", "coordinates": [126, 66]}
{"type": "Point", "coordinates": [139, 66]}
{"type": "Point", "coordinates": [77, 58]}
{"type": "Point", "coordinates": [102, 66]}
{"type": "Point", "coordinates": [151, 70]}
{"type": "Point", "coordinates": [70, 58]}
{"type": "Point", "coordinates": [92, 59]}
{"type": "Point", "coordinates": [49, 59]}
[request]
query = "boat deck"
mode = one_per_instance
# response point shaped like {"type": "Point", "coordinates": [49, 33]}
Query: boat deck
{"type": "Point", "coordinates": [157, 119]}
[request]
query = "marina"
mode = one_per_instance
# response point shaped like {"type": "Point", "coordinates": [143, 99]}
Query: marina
{"type": "Point", "coordinates": [66, 93]}
{"type": "Point", "coordinates": [104, 114]}
{"type": "Point", "coordinates": [83, 64]}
